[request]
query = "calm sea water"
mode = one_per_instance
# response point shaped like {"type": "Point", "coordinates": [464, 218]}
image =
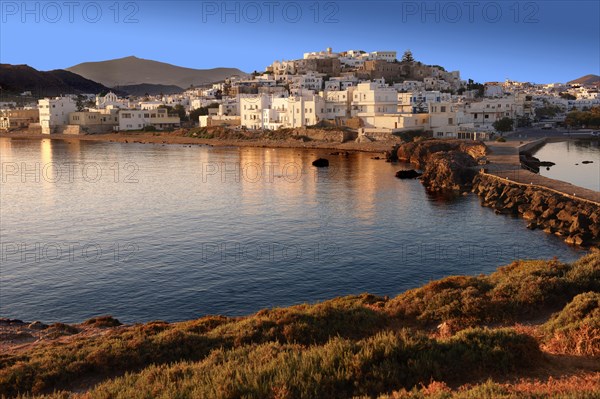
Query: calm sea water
{"type": "Point", "coordinates": [568, 155]}
{"type": "Point", "coordinates": [147, 232]}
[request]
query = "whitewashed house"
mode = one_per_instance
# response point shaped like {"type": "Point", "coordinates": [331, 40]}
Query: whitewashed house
{"type": "Point", "coordinates": [54, 113]}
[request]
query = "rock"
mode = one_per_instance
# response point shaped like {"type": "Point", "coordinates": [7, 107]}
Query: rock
{"type": "Point", "coordinates": [321, 163]}
{"type": "Point", "coordinates": [532, 226]}
{"type": "Point", "coordinates": [363, 139]}
{"type": "Point", "coordinates": [5, 321]}
{"type": "Point", "coordinates": [580, 224]}
{"type": "Point", "coordinates": [595, 230]}
{"type": "Point", "coordinates": [37, 325]}
{"type": "Point", "coordinates": [574, 240]}
{"type": "Point", "coordinates": [450, 171]}
{"type": "Point", "coordinates": [530, 215]}
{"type": "Point", "coordinates": [549, 213]}
{"type": "Point", "coordinates": [407, 174]}
{"type": "Point", "coordinates": [564, 216]}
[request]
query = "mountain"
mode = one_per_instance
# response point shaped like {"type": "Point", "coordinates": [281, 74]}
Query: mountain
{"type": "Point", "coordinates": [150, 89]}
{"type": "Point", "coordinates": [20, 78]}
{"type": "Point", "coordinates": [133, 71]}
{"type": "Point", "coordinates": [587, 80]}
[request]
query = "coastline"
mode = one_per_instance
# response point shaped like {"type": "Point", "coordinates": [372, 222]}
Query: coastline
{"type": "Point", "coordinates": [176, 138]}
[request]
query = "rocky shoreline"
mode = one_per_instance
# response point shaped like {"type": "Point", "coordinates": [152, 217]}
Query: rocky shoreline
{"type": "Point", "coordinates": [447, 165]}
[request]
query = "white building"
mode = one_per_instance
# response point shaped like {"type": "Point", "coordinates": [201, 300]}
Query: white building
{"type": "Point", "coordinates": [309, 80]}
{"type": "Point", "coordinates": [337, 104]}
{"type": "Point", "coordinates": [135, 119]}
{"type": "Point", "coordinates": [148, 105]}
{"type": "Point", "coordinates": [54, 113]}
{"type": "Point", "coordinates": [374, 99]}
{"type": "Point", "coordinates": [111, 100]}
{"type": "Point", "coordinates": [448, 119]}
{"type": "Point", "coordinates": [271, 112]}
{"type": "Point", "coordinates": [251, 110]}
{"type": "Point", "coordinates": [389, 56]}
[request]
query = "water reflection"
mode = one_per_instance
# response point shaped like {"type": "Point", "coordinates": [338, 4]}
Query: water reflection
{"type": "Point", "coordinates": [183, 238]}
{"type": "Point", "coordinates": [569, 157]}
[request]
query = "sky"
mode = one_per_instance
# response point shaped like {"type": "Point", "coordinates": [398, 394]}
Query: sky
{"type": "Point", "coordinates": [538, 41]}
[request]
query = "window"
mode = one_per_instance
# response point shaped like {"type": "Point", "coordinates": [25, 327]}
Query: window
{"type": "Point", "coordinates": [487, 117]}
{"type": "Point", "coordinates": [450, 121]}
{"type": "Point", "coordinates": [443, 109]}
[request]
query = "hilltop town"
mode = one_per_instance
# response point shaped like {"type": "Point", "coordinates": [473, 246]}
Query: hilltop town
{"type": "Point", "coordinates": [373, 93]}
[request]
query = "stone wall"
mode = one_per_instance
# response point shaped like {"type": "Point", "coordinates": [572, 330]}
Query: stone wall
{"type": "Point", "coordinates": [575, 220]}
{"type": "Point", "coordinates": [333, 136]}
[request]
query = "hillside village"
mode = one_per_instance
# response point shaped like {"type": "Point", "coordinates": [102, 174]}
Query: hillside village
{"type": "Point", "coordinates": [375, 93]}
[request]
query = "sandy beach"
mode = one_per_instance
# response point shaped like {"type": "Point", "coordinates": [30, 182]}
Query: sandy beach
{"type": "Point", "coordinates": [179, 137]}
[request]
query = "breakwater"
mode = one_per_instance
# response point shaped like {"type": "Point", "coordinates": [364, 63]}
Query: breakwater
{"type": "Point", "coordinates": [576, 220]}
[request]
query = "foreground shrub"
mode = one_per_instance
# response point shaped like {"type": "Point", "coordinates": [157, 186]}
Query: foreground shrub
{"type": "Point", "coordinates": [576, 329]}
{"type": "Point", "coordinates": [520, 289]}
{"type": "Point", "coordinates": [339, 369]}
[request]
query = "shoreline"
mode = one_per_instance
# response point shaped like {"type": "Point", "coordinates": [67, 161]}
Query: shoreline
{"type": "Point", "coordinates": [175, 138]}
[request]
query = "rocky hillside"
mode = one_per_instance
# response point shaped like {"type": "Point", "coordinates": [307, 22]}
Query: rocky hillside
{"type": "Point", "coordinates": [20, 78]}
{"type": "Point", "coordinates": [587, 80]}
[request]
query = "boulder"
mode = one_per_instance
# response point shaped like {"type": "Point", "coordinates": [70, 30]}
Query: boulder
{"type": "Point", "coordinates": [574, 239]}
{"type": "Point", "coordinates": [407, 174]}
{"type": "Point", "coordinates": [564, 216]}
{"type": "Point", "coordinates": [580, 224]}
{"type": "Point", "coordinates": [321, 163]}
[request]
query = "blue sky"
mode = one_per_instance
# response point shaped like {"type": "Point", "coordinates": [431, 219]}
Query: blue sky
{"type": "Point", "coordinates": [539, 41]}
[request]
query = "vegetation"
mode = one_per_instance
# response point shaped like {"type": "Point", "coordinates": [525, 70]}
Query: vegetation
{"type": "Point", "coordinates": [471, 85]}
{"type": "Point", "coordinates": [412, 135]}
{"type": "Point", "coordinates": [408, 56]}
{"type": "Point", "coordinates": [547, 111]}
{"type": "Point", "coordinates": [355, 346]}
{"type": "Point", "coordinates": [202, 111]}
{"type": "Point", "coordinates": [567, 96]}
{"type": "Point", "coordinates": [576, 329]}
{"type": "Point", "coordinates": [178, 109]}
{"type": "Point", "coordinates": [589, 118]}
{"type": "Point", "coordinates": [503, 125]}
